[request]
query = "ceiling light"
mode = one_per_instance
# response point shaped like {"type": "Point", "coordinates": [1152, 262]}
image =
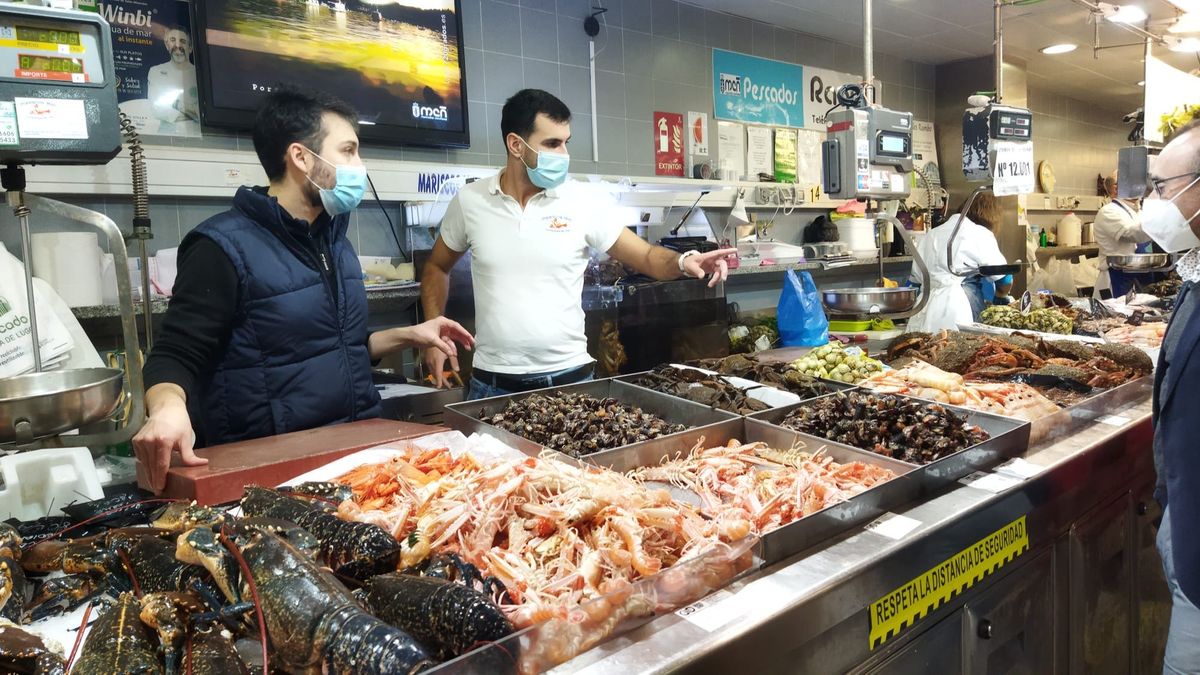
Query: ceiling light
{"type": "Point", "coordinates": [1061, 48]}
{"type": "Point", "coordinates": [1122, 13]}
{"type": "Point", "coordinates": [1141, 83]}
{"type": "Point", "coordinates": [1188, 44]}
{"type": "Point", "coordinates": [1187, 23]}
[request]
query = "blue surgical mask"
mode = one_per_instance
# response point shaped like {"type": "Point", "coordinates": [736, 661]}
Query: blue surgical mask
{"type": "Point", "coordinates": [350, 183]}
{"type": "Point", "coordinates": [551, 169]}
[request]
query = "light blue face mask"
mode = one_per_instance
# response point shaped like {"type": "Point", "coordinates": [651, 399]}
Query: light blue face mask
{"type": "Point", "coordinates": [350, 184]}
{"type": "Point", "coordinates": [551, 169]}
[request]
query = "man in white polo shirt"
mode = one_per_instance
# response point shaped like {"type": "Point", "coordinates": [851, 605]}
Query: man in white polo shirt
{"type": "Point", "coordinates": [529, 232]}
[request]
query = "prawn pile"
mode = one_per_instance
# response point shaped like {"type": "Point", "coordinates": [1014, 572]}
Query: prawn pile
{"type": "Point", "coordinates": [922, 380]}
{"type": "Point", "coordinates": [765, 486]}
{"type": "Point", "coordinates": [554, 534]}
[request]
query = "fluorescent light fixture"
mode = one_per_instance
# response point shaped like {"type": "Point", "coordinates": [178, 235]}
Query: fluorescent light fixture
{"type": "Point", "coordinates": [1061, 48]}
{"type": "Point", "coordinates": [1188, 44]}
{"type": "Point", "coordinates": [1141, 83]}
{"type": "Point", "coordinates": [1188, 23]}
{"type": "Point", "coordinates": [1122, 13]}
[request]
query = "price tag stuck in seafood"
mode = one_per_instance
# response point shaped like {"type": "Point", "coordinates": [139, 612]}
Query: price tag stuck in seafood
{"type": "Point", "coordinates": [893, 526]}
{"type": "Point", "coordinates": [707, 612]}
{"type": "Point", "coordinates": [1020, 468]}
{"type": "Point", "coordinates": [1113, 420]}
{"type": "Point", "coordinates": [990, 482]}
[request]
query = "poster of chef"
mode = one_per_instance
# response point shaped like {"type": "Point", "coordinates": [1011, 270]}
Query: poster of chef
{"type": "Point", "coordinates": [156, 77]}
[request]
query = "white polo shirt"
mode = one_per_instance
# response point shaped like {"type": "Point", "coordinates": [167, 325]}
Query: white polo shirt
{"type": "Point", "coordinates": [527, 268]}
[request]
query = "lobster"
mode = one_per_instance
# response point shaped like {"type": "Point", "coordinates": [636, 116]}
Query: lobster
{"type": "Point", "coordinates": [118, 643]}
{"type": "Point", "coordinates": [448, 617]}
{"type": "Point", "coordinates": [15, 589]}
{"type": "Point", "coordinates": [312, 620]}
{"type": "Point", "coordinates": [211, 653]}
{"type": "Point", "coordinates": [351, 549]}
{"type": "Point", "coordinates": [22, 652]}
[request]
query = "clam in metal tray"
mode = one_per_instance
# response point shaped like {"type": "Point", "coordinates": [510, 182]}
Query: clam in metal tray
{"type": "Point", "coordinates": [869, 301]}
{"type": "Point", "coordinates": [1007, 438]}
{"type": "Point", "coordinates": [1143, 262]}
{"type": "Point", "coordinates": [43, 404]}
{"type": "Point", "coordinates": [469, 417]}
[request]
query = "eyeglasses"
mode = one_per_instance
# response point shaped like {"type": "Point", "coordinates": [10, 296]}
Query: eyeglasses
{"type": "Point", "coordinates": [1160, 183]}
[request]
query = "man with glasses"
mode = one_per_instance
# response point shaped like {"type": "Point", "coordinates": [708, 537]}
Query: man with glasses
{"type": "Point", "coordinates": [1118, 232]}
{"type": "Point", "coordinates": [1171, 217]}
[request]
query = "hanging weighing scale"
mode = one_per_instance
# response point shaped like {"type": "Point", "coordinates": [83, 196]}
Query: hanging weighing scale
{"type": "Point", "coordinates": [58, 106]}
{"type": "Point", "coordinates": [867, 155]}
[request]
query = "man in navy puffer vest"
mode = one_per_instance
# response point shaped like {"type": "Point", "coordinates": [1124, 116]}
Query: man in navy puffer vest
{"type": "Point", "coordinates": [266, 332]}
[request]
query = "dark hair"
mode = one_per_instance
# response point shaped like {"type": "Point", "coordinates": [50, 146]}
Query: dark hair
{"type": "Point", "coordinates": [293, 115]}
{"type": "Point", "coordinates": [522, 108]}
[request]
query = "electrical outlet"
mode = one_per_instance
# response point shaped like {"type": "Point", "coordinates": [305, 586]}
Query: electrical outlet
{"type": "Point", "coordinates": [765, 195]}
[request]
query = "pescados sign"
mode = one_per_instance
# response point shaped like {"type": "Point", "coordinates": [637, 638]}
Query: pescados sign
{"type": "Point", "coordinates": [755, 90]}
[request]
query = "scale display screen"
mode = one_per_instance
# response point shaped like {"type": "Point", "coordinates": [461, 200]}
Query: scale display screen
{"type": "Point", "coordinates": [893, 144]}
{"type": "Point", "coordinates": [50, 64]}
{"type": "Point", "coordinates": [48, 36]}
{"type": "Point", "coordinates": [66, 52]}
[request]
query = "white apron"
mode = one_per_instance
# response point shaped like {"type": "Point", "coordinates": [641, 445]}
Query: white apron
{"type": "Point", "coordinates": [948, 306]}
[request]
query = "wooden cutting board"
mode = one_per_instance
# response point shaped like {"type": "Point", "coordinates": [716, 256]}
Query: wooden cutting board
{"type": "Point", "coordinates": [275, 459]}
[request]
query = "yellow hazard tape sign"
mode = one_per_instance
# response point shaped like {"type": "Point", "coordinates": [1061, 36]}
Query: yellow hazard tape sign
{"type": "Point", "coordinates": [902, 607]}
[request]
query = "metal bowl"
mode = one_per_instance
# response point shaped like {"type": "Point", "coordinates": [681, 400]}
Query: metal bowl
{"type": "Point", "coordinates": [869, 301]}
{"type": "Point", "coordinates": [1139, 261]}
{"type": "Point", "coordinates": [44, 404]}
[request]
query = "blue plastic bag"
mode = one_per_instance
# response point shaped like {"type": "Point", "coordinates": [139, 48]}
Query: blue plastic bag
{"type": "Point", "coordinates": [801, 317]}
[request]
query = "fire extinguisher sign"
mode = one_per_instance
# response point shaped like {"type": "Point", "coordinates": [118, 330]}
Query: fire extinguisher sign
{"type": "Point", "coordinates": [668, 144]}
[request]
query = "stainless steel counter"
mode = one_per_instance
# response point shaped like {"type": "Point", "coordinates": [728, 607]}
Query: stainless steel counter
{"type": "Point", "coordinates": [1086, 595]}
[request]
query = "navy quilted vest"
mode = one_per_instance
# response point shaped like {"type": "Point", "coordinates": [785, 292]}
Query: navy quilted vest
{"type": "Point", "coordinates": [296, 359]}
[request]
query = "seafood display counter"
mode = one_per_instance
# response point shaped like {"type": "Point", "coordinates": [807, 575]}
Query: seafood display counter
{"type": "Point", "coordinates": [1044, 564]}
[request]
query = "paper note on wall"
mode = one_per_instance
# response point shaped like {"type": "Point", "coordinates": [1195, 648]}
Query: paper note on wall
{"type": "Point", "coordinates": [731, 150]}
{"type": "Point", "coordinates": [760, 154]}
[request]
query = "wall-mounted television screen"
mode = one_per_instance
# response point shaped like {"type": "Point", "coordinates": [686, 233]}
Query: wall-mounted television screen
{"type": "Point", "coordinates": [399, 62]}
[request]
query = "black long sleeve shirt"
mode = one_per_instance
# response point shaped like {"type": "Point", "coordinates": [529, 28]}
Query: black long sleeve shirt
{"type": "Point", "coordinates": [200, 316]}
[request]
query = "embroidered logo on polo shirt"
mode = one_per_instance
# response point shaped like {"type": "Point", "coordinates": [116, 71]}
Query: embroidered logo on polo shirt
{"type": "Point", "coordinates": [558, 224]}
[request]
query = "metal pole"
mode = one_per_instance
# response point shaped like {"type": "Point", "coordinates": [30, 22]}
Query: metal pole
{"type": "Point", "coordinates": [868, 45]}
{"type": "Point", "coordinates": [147, 295]}
{"type": "Point", "coordinates": [999, 46]}
{"type": "Point", "coordinates": [22, 213]}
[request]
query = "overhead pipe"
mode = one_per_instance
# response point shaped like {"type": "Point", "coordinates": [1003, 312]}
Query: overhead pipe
{"type": "Point", "coordinates": [868, 49]}
{"type": "Point", "coordinates": [1095, 9]}
{"type": "Point", "coordinates": [998, 46]}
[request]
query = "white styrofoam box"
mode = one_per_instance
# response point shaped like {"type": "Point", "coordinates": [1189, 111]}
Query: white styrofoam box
{"type": "Point", "coordinates": [41, 482]}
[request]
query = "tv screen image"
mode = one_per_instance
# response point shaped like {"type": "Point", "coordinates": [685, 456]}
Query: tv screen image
{"type": "Point", "coordinates": [398, 63]}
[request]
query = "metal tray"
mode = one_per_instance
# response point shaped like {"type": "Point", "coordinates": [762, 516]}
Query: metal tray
{"type": "Point", "coordinates": [467, 417]}
{"type": "Point", "coordinates": [772, 392]}
{"type": "Point", "coordinates": [800, 535]}
{"type": "Point", "coordinates": [1008, 438]}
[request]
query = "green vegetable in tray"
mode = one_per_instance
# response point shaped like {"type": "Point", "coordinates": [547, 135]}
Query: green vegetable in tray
{"type": "Point", "coordinates": [1049, 321]}
{"type": "Point", "coordinates": [835, 362]}
{"type": "Point", "coordinates": [1003, 316]}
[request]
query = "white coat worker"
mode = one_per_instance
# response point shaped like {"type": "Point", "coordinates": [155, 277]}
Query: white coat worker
{"type": "Point", "coordinates": [950, 301]}
{"type": "Point", "coordinates": [1118, 230]}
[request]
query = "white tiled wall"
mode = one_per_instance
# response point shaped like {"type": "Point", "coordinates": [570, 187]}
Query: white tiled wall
{"type": "Point", "coordinates": [653, 55]}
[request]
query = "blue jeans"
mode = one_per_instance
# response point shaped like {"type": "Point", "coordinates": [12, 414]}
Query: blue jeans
{"type": "Point", "coordinates": [480, 390]}
{"type": "Point", "coordinates": [1183, 637]}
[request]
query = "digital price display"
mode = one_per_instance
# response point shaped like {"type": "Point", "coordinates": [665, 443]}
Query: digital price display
{"type": "Point", "coordinates": [50, 64]}
{"type": "Point", "coordinates": [48, 36]}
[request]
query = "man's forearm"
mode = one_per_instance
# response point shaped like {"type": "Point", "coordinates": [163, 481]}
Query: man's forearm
{"type": "Point", "coordinates": [662, 264]}
{"type": "Point", "coordinates": [435, 291]}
